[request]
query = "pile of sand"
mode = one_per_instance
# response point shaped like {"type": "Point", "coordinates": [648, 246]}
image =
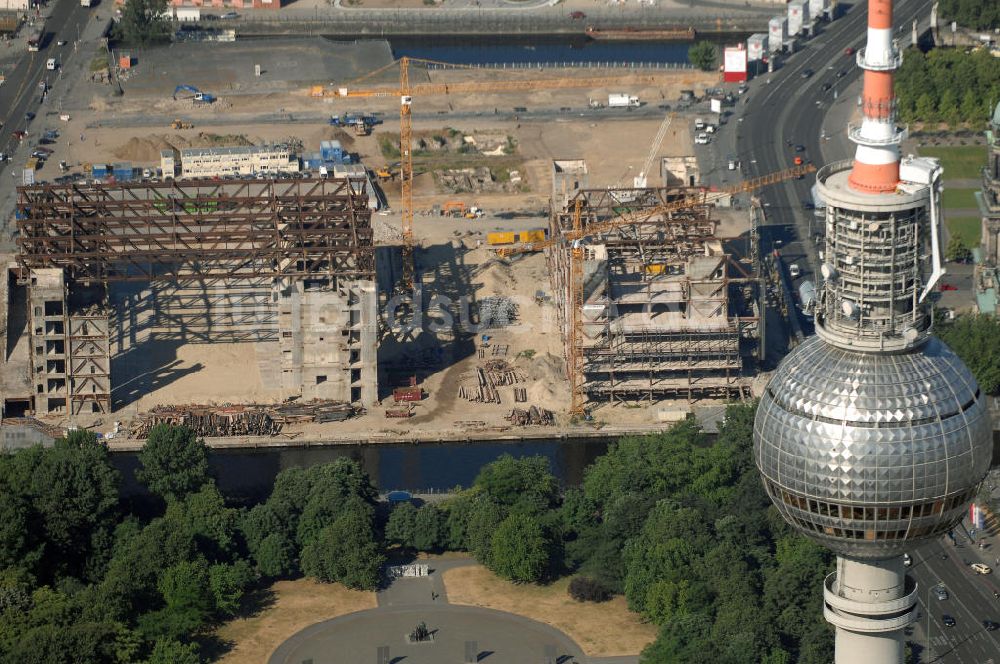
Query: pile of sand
{"type": "Point", "coordinates": [149, 148]}
{"type": "Point", "coordinates": [496, 277]}
{"type": "Point", "coordinates": [338, 134]}
{"type": "Point", "coordinates": [546, 381]}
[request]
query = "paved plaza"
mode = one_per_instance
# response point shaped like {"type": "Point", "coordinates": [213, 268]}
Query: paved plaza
{"type": "Point", "coordinates": [499, 637]}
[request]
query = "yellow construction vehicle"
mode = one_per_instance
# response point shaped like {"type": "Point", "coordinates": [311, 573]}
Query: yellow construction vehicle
{"type": "Point", "coordinates": [384, 174]}
{"type": "Point", "coordinates": [406, 92]}
{"type": "Point", "coordinates": [180, 124]}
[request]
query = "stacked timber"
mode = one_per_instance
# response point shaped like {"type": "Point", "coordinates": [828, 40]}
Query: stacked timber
{"type": "Point", "coordinates": [241, 420]}
{"type": "Point", "coordinates": [534, 416]}
{"type": "Point", "coordinates": [318, 410]}
{"type": "Point", "coordinates": [209, 421]}
{"type": "Point", "coordinates": [482, 392]}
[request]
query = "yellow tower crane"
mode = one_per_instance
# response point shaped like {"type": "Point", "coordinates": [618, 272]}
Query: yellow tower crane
{"type": "Point", "coordinates": [576, 296]}
{"type": "Point", "coordinates": [406, 92]}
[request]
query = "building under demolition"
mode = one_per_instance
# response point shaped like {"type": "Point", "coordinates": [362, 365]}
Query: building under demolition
{"type": "Point", "coordinates": [665, 312]}
{"type": "Point", "coordinates": [117, 266]}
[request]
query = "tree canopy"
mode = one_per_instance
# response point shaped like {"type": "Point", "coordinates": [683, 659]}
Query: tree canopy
{"type": "Point", "coordinates": [975, 14]}
{"type": "Point", "coordinates": [143, 22]}
{"type": "Point", "coordinates": [976, 339]}
{"type": "Point", "coordinates": [948, 85]}
{"type": "Point", "coordinates": [703, 55]}
{"type": "Point", "coordinates": [174, 462]}
{"type": "Point", "coordinates": [677, 522]}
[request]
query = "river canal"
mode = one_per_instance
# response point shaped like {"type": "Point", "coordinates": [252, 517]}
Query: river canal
{"type": "Point", "coordinates": [247, 475]}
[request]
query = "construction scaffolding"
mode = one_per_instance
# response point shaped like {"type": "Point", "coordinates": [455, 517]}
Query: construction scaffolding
{"type": "Point", "coordinates": [665, 311]}
{"type": "Point", "coordinates": [197, 229]}
{"type": "Point", "coordinates": [287, 261]}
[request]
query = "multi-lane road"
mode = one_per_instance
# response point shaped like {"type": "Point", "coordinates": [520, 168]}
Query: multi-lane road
{"type": "Point", "coordinates": [20, 93]}
{"type": "Point", "coordinates": [788, 108]}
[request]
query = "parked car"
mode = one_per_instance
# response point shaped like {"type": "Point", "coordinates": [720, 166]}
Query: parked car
{"type": "Point", "coordinates": [229, 15]}
{"type": "Point", "coordinates": [61, 42]}
{"type": "Point", "coordinates": [980, 568]}
{"type": "Point", "coordinates": [701, 139]}
{"type": "Point", "coordinates": [907, 560]}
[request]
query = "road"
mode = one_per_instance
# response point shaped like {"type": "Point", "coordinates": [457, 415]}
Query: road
{"type": "Point", "coordinates": [970, 601]}
{"type": "Point", "coordinates": [21, 94]}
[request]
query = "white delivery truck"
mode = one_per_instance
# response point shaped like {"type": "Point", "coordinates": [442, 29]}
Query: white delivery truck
{"type": "Point", "coordinates": [84, 3]}
{"type": "Point", "coordinates": [622, 100]}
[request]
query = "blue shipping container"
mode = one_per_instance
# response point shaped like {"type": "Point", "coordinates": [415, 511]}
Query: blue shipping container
{"type": "Point", "coordinates": [123, 170]}
{"type": "Point", "coordinates": [331, 150]}
{"type": "Point", "coordinates": [312, 161]}
{"type": "Point", "coordinates": [100, 170]}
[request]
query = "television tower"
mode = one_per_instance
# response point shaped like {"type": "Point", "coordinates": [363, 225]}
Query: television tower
{"type": "Point", "coordinates": [872, 437]}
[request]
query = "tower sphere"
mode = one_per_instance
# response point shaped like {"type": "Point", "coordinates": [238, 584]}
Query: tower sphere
{"type": "Point", "coordinates": [871, 453]}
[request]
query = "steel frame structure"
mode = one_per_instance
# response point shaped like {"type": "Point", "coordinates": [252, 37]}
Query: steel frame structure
{"type": "Point", "coordinates": [197, 229]}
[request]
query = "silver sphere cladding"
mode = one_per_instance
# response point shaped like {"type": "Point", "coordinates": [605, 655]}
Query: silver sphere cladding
{"type": "Point", "coordinates": [869, 453]}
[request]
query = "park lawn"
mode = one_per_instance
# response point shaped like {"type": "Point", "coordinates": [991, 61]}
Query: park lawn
{"type": "Point", "coordinates": [953, 199]}
{"type": "Point", "coordinates": [297, 604]}
{"type": "Point", "coordinates": [607, 629]}
{"type": "Point", "coordinates": [959, 161]}
{"type": "Point", "coordinates": [966, 228]}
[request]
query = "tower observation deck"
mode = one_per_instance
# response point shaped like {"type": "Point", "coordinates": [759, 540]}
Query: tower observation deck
{"type": "Point", "coordinates": [873, 437]}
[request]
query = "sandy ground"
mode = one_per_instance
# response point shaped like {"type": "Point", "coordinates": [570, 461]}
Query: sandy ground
{"type": "Point", "coordinates": [297, 604]}
{"type": "Point", "coordinates": [453, 261]}
{"type": "Point", "coordinates": [603, 630]}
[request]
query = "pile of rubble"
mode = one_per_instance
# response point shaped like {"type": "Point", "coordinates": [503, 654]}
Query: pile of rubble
{"type": "Point", "coordinates": [240, 420]}
{"type": "Point", "coordinates": [472, 180]}
{"type": "Point", "coordinates": [534, 416]}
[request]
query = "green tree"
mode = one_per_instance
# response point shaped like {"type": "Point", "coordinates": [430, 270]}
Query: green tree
{"type": "Point", "coordinates": [519, 549]}
{"type": "Point", "coordinates": [345, 552]}
{"type": "Point", "coordinates": [976, 339]}
{"type": "Point", "coordinates": [973, 110]}
{"type": "Point", "coordinates": [214, 526]}
{"type": "Point", "coordinates": [948, 108]}
{"type": "Point", "coordinates": [169, 651]}
{"type": "Point", "coordinates": [521, 485]}
{"type": "Point", "coordinates": [428, 528]}
{"type": "Point", "coordinates": [276, 556]}
{"type": "Point", "coordinates": [142, 22]}
{"type": "Point", "coordinates": [174, 461]}
{"type": "Point", "coordinates": [926, 108]}
{"type": "Point", "coordinates": [956, 250]}
{"type": "Point", "coordinates": [229, 583]}
{"type": "Point", "coordinates": [703, 55]}
{"type": "Point", "coordinates": [484, 518]}
{"type": "Point", "coordinates": [63, 498]}
{"type": "Point", "coordinates": [401, 526]}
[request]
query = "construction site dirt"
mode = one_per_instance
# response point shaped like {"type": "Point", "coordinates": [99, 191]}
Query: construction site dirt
{"type": "Point", "coordinates": [489, 350]}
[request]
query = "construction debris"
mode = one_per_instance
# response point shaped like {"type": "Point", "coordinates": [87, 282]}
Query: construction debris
{"type": "Point", "coordinates": [241, 420]}
{"type": "Point", "coordinates": [534, 416]}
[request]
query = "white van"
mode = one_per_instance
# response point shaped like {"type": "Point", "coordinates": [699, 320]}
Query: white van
{"type": "Point", "coordinates": [51, 64]}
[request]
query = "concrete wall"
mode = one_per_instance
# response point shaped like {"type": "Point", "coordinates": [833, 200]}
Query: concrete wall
{"type": "Point", "coordinates": [328, 340]}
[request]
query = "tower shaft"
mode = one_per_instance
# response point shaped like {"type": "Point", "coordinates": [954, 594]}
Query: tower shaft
{"type": "Point", "coordinates": [870, 603]}
{"type": "Point", "coordinates": [876, 161]}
